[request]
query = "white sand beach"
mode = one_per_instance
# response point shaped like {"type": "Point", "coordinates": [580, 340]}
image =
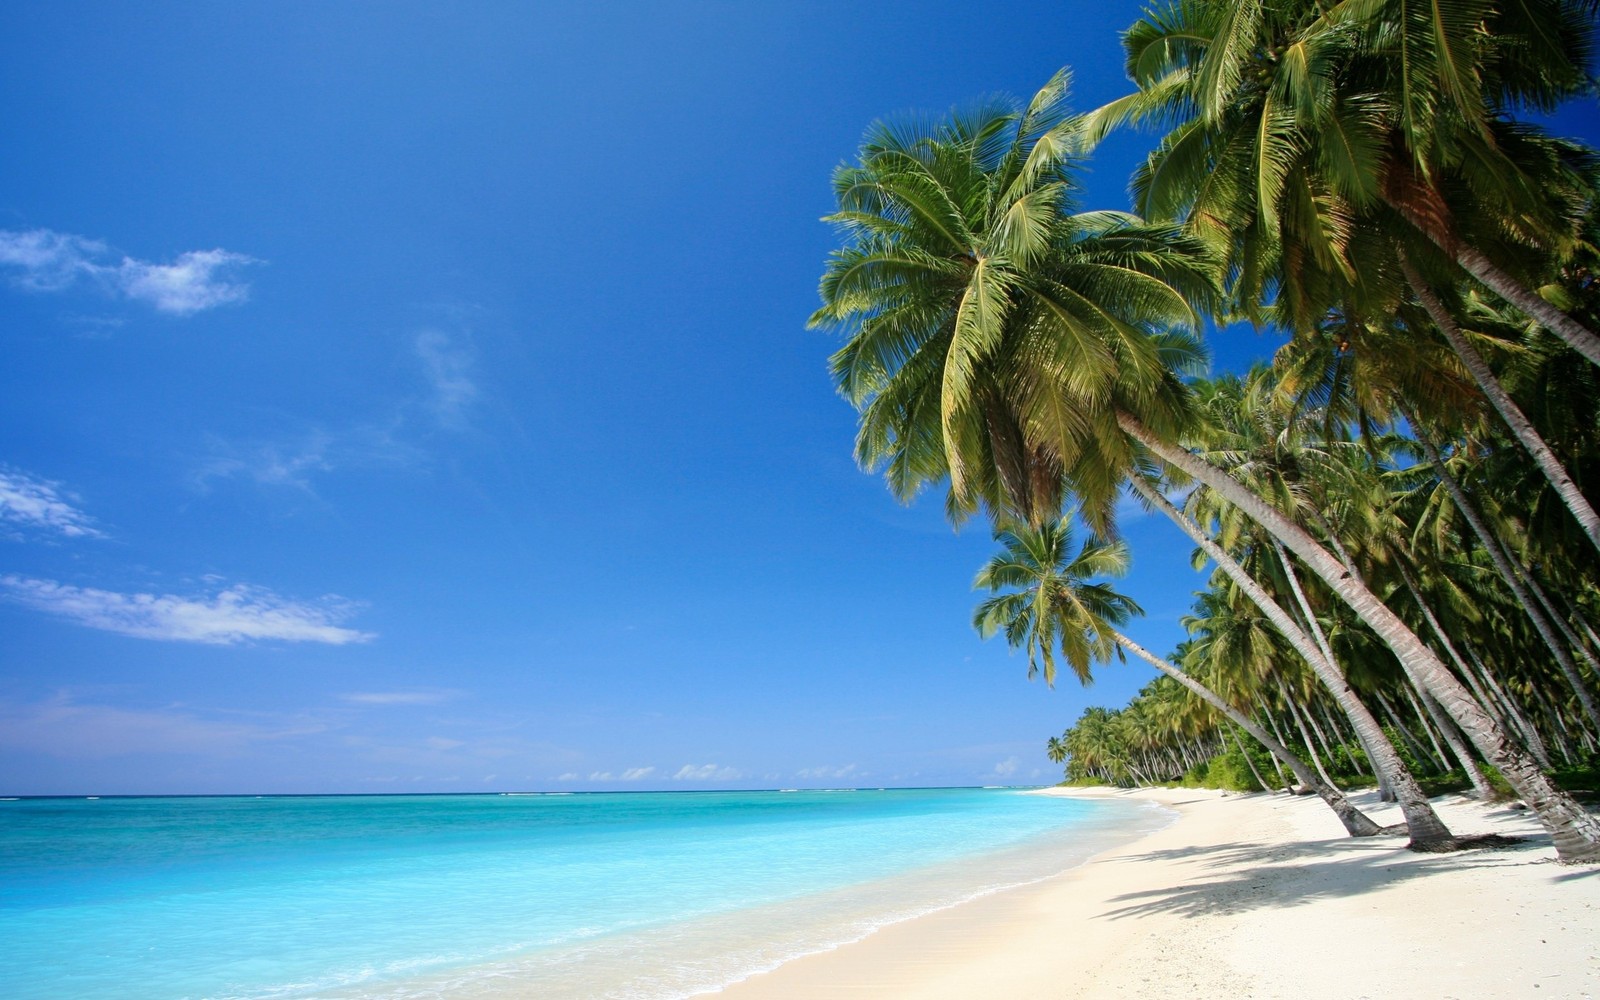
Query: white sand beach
{"type": "Point", "coordinates": [1248, 896]}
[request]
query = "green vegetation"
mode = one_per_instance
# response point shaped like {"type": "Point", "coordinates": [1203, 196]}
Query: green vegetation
{"type": "Point", "coordinates": [1400, 510]}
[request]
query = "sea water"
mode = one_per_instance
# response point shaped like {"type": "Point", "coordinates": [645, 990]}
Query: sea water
{"type": "Point", "coordinates": [628, 895]}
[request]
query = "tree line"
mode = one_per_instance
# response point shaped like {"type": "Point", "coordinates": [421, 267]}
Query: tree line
{"type": "Point", "coordinates": [1400, 509]}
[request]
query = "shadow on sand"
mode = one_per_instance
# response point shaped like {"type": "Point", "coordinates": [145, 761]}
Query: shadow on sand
{"type": "Point", "coordinates": [1296, 874]}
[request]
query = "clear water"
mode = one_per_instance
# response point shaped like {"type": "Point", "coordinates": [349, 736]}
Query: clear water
{"type": "Point", "coordinates": [639, 895]}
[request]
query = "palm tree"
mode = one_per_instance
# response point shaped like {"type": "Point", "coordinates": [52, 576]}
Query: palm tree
{"type": "Point", "coordinates": [983, 314]}
{"type": "Point", "coordinates": [1290, 156]}
{"type": "Point", "coordinates": [1045, 602]}
{"type": "Point", "coordinates": [1318, 112]}
{"type": "Point", "coordinates": [1006, 346]}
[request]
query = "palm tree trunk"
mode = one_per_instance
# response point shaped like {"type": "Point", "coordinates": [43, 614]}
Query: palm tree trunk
{"type": "Point", "coordinates": [1305, 734]}
{"type": "Point", "coordinates": [1356, 823]}
{"type": "Point", "coordinates": [1393, 773]}
{"type": "Point", "coordinates": [1575, 833]}
{"type": "Point", "coordinates": [1579, 337]}
{"type": "Point", "coordinates": [1521, 427]}
{"type": "Point", "coordinates": [1515, 578]}
{"type": "Point", "coordinates": [1420, 752]}
{"type": "Point", "coordinates": [1316, 728]}
{"type": "Point", "coordinates": [1458, 747]}
{"type": "Point", "coordinates": [1384, 762]}
{"type": "Point", "coordinates": [1426, 723]}
{"type": "Point", "coordinates": [1517, 711]}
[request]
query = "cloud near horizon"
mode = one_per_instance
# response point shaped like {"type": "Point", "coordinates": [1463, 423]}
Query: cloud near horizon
{"type": "Point", "coordinates": [42, 260]}
{"type": "Point", "coordinates": [397, 697]}
{"type": "Point", "coordinates": [813, 773]}
{"type": "Point", "coordinates": [706, 772]}
{"type": "Point", "coordinates": [239, 613]}
{"type": "Point", "coordinates": [631, 774]}
{"type": "Point", "coordinates": [39, 503]}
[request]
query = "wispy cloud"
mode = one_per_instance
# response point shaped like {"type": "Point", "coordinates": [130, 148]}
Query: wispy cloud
{"type": "Point", "coordinates": [1008, 767]}
{"type": "Point", "coordinates": [631, 774]}
{"type": "Point", "coordinates": [269, 464]}
{"type": "Point", "coordinates": [448, 368]}
{"type": "Point", "coordinates": [38, 503]}
{"type": "Point", "coordinates": [43, 260]}
{"type": "Point", "coordinates": [397, 697]}
{"type": "Point", "coordinates": [706, 772]}
{"type": "Point", "coordinates": [239, 613]}
{"type": "Point", "coordinates": [816, 773]}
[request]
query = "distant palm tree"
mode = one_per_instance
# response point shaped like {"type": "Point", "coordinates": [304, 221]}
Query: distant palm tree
{"type": "Point", "coordinates": [1046, 602]}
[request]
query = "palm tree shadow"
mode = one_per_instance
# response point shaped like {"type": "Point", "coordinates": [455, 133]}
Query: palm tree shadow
{"type": "Point", "coordinates": [1280, 876]}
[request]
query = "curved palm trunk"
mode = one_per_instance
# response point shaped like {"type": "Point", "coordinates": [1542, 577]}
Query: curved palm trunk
{"type": "Point", "coordinates": [1356, 823]}
{"type": "Point", "coordinates": [1579, 337]}
{"type": "Point", "coordinates": [1452, 735]}
{"type": "Point", "coordinates": [1575, 833]}
{"type": "Point", "coordinates": [1422, 822]}
{"type": "Point", "coordinates": [1305, 733]}
{"type": "Point", "coordinates": [1515, 579]}
{"type": "Point", "coordinates": [1481, 788]}
{"type": "Point", "coordinates": [1428, 831]}
{"type": "Point", "coordinates": [1521, 427]}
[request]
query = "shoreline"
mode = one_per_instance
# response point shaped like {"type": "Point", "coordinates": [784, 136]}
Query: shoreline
{"type": "Point", "coordinates": [1245, 896]}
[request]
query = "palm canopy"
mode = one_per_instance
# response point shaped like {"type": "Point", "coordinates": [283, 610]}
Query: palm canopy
{"type": "Point", "coordinates": [1301, 133]}
{"type": "Point", "coordinates": [989, 327]}
{"type": "Point", "coordinates": [1049, 603]}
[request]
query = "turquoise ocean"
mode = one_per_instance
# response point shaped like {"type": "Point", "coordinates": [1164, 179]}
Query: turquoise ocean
{"type": "Point", "coordinates": [629, 895]}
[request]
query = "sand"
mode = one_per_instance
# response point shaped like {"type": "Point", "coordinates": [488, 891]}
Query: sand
{"type": "Point", "coordinates": [1247, 896]}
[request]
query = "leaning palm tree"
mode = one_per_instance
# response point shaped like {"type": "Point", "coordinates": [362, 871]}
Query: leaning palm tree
{"type": "Point", "coordinates": [983, 313]}
{"type": "Point", "coordinates": [1299, 152]}
{"type": "Point", "coordinates": [1045, 603]}
{"type": "Point", "coordinates": [1005, 346]}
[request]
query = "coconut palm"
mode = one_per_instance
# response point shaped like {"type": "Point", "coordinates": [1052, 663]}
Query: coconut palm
{"type": "Point", "coordinates": [1280, 200]}
{"type": "Point", "coordinates": [1006, 347]}
{"type": "Point", "coordinates": [1045, 602]}
{"type": "Point", "coordinates": [1292, 155]}
{"type": "Point", "coordinates": [1318, 112]}
{"type": "Point", "coordinates": [988, 325]}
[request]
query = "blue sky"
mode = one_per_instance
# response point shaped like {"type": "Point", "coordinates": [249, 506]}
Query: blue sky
{"type": "Point", "coordinates": [412, 397]}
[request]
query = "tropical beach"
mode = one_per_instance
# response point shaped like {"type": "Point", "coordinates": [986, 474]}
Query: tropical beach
{"type": "Point", "coordinates": [800, 500]}
{"type": "Point", "coordinates": [1235, 899]}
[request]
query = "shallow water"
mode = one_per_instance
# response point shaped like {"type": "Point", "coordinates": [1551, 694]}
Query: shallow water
{"type": "Point", "coordinates": [638, 895]}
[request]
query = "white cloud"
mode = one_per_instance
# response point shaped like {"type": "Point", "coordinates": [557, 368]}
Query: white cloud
{"type": "Point", "coordinates": [197, 280]}
{"type": "Point", "coordinates": [296, 460]}
{"type": "Point", "coordinates": [42, 260]}
{"type": "Point", "coordinates": [397, 697]}
{"type": "Point", "coordinates": [569, 776]}
{"type": "Point", "coordinates": [448, 368]}
{"type": "Point", "coordinates": [39, 503]}
{"type": "Point", "coordinates": [48, 261]}
{"type": "Point", "coordinates": [272, 464]}
{"type": "Point", "coordinates": [236, 614]}
{"type": "Point", "coordinates": [706, 772]}
{"type": "Point", "coordinates": [1007, 767]}
{"type": "Point", "coordinates": [631, 774]}
{"type": "Point", "coordinates": [815, 773]}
